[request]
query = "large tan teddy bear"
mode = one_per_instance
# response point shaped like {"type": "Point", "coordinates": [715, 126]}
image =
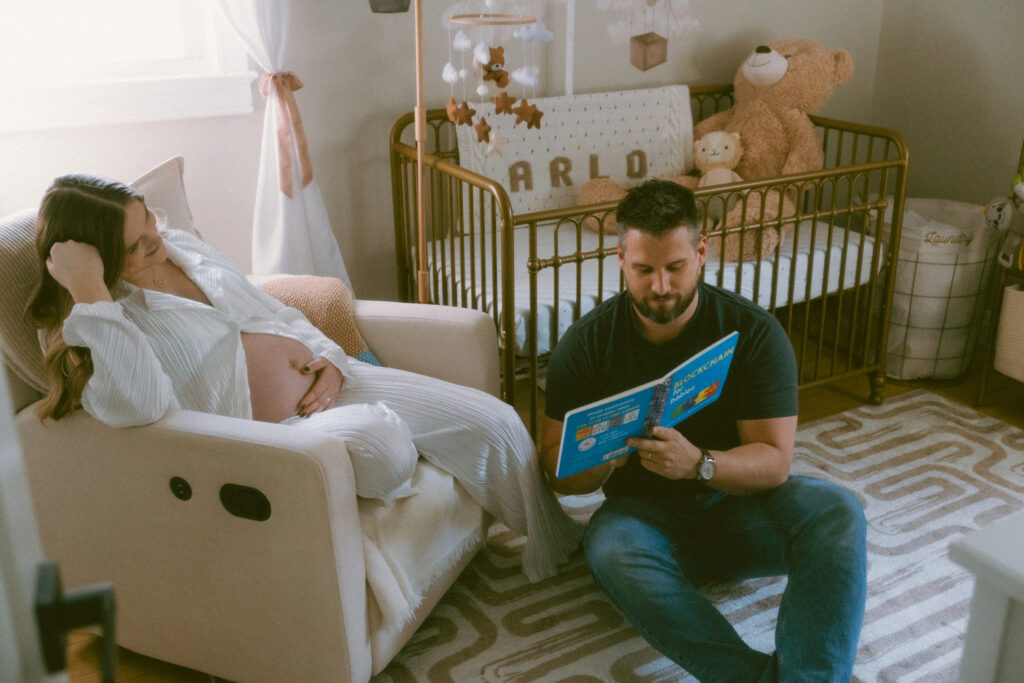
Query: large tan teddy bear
{"type": "Point", "coordinates": [775, 90]}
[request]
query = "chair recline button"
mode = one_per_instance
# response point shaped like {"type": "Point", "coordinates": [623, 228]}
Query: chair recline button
{"type": "Point", "coordinates": [245, 502]}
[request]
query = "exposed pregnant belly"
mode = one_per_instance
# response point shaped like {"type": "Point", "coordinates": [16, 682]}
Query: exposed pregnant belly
{"type": "Point", "coordinates": [276, 381]}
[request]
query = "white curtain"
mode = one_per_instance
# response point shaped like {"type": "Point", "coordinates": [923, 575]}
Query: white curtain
{"type": "Point", "coordinates": [290, 232]}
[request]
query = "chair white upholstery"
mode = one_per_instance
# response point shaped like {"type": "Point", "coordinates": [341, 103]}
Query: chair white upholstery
{"type": "Point", "coordinates": [280, 599]}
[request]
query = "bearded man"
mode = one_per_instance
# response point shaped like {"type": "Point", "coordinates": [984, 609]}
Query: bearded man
{"type": "Point", "coordinates": [712, 497]}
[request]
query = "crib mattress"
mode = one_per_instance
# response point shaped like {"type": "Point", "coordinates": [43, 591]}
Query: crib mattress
{"type": "Point", "coordinates": [817, 267]}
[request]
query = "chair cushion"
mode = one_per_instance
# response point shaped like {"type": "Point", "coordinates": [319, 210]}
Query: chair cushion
{"type": "Point", "coordinates": [327, 303]}
{"type": "Point", "coordinates": [19, 266]}
{"type": "Point", "coordinates": [164, 188]}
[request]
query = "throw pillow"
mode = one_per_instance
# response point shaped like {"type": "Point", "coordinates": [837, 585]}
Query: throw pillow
{"type": "Point", "coordinates": [327, 303]}
{"type": "Point", "coordinates": [164, 188]}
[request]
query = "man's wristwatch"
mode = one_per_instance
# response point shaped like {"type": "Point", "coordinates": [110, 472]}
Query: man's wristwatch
{"type": "Point", "coordinates": [706, 466]}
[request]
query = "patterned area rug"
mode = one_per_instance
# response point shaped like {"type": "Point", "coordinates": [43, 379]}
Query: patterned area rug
{"type": "Point", "coordinates": [926, 470]}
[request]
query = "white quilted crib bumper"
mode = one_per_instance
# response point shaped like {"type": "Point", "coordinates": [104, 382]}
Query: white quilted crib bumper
{"type": "Point", "coordinates": [818, 267]}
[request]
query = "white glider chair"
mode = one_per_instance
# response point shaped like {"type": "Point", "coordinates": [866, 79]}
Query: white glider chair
{"type": "Point", "coordinates": [240, 548]}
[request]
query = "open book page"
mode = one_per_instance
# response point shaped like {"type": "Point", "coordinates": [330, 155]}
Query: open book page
{"type": "Point", "coordinates": [597, 432]}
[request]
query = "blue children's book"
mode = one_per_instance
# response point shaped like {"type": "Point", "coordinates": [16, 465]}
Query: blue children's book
{"type": "Point", "coordinates": [597, 432]}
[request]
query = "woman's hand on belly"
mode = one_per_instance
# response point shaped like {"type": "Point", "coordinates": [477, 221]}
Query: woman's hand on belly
{"type": "Point", "coordinates": [284, 378]}
{"type": "Point", "coordinates": [325, 389]}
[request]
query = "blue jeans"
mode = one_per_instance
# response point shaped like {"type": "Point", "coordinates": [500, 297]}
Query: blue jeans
{"type": "Point", "coordinates": [650, 556]}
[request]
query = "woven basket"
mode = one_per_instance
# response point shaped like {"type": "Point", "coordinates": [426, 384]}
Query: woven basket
{"type": "Point", "coordinates": [1010, 337]}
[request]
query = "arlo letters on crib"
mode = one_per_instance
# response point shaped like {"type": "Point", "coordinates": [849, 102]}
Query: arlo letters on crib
{"type": "Point", "coordinates": [561, 172]}
{"type": "Point", "coordinates": [625, 135]}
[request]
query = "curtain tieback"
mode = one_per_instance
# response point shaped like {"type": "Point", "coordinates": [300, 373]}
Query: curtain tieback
{"type": "Point", "coordinates": [289, 125]}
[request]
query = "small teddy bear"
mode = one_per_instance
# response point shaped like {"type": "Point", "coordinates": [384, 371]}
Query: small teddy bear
{"type": "Point", "coordinates": [494, 68]}
{"type": "Point", "coordinates": [716, 155]}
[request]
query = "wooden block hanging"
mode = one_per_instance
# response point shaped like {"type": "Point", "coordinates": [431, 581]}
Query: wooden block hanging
{"type": "Point", "coordinates": [647, 50]}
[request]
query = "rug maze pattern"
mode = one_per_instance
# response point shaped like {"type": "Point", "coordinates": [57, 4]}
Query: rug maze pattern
{"type": "Point", "coordinates": [926, 470]}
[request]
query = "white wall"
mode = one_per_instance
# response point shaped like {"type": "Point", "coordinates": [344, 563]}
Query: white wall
{"type": "Point", "coordinates": [951, 80]}
{"type": "Point", "coordinates": [357, 67]}
{"type": "Point", "coordinates": [221, 160]}
{"type": "Point", "coordinates": [729, 31]}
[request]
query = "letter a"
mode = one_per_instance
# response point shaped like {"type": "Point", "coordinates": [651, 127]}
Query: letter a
{"type": "Point", "coordinates": [520, 172]}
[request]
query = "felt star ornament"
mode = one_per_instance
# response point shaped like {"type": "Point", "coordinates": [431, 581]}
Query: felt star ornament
{"type": "Point", "coordinates": [482, 130]}
{"type": "Point", "coordinates": [524, 112]}
{"type": "Point", "coordinates": [452, 108]}
{"type": "Point", "coordinates": [534, 121]}
{"type": "Point", "coordinates": [496, 145]}
{"type": "Point", "coordinates": [463, 114]}
{"type": "Point", "coordinates": [503, 103]}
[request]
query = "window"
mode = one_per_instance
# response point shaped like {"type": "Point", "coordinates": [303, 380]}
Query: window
{"type": "Point", "coordinates": [74, 63]}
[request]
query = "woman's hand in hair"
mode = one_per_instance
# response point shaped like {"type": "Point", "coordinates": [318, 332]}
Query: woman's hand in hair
{"type": "Point", "coordinates": [78, 268]}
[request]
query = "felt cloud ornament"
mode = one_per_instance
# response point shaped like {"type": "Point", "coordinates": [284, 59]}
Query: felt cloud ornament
{"type": "Point", "coordinates": [462, 43]}
{"type": "Point", "coordinates": [526, 75]}
{"type": "Point", "coordinates": [482, 53]}
{"type": "Point", "coordinates": [450, 74]}
{"type": "Point", "coordinates": [536, 31]}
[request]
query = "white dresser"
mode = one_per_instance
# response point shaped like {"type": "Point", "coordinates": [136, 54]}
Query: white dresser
{"type": "Point", "coordinates": [994, 646]}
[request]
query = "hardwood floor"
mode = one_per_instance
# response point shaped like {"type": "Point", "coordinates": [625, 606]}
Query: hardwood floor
{"type": "Point", "coordinates": [1004, 400]}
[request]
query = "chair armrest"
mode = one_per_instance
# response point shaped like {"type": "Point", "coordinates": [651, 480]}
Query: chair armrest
{"type": "Point", "coordinates": [455, 344]}
{"type": "Point", "coordinates": [189, 576]}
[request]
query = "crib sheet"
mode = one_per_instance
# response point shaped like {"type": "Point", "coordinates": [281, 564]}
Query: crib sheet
{"type": "Point", "coordinates": [804, 275]}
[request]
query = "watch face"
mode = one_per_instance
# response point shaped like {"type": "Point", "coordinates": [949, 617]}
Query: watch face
{"type": "Point", "coordinates": [707, 469]}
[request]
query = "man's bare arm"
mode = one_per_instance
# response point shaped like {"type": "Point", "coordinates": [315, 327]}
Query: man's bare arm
{"type": "Point", "coordinates": [761, 461]}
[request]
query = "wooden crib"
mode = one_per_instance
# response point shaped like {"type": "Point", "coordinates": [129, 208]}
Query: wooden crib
{"type": "Point", "coordinates": [829, 282]}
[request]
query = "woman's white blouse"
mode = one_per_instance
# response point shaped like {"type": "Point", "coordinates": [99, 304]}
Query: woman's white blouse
{"type": "Point", "coordinates": [152, 351]}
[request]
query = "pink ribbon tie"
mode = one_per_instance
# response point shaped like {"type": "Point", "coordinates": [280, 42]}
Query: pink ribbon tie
{"type": "Point", "coordinates": [288, 126]}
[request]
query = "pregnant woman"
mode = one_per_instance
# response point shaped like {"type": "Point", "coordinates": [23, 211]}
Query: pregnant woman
{"type": "Point", "coordinates": [135, 320]}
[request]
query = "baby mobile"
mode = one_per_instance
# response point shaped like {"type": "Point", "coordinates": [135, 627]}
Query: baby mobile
{"type": "Point", "coordinates": [647, 25]}
{"type": "Point", "coordinates": [475, 33]}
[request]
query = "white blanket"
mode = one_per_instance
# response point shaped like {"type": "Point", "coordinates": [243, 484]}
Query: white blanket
{"type": "Point", "coordinates": [626, 135]}
{"type": "Point", "coordinates": [411, 541]}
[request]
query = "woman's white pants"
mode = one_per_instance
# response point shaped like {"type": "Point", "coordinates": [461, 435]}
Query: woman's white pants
{"type": "Point", "coordinates": [478, 439]}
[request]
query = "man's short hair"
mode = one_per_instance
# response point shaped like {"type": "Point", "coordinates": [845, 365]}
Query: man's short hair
{"type": "Point", "coordinates": [657, 207]}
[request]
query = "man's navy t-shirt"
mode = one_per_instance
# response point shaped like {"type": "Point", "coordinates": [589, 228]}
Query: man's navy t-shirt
{"type": "Point", "coordinates": [605, 353]}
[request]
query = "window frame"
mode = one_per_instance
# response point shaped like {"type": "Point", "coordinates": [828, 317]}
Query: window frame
{"type": "Point", "coordinates": [223, 89]}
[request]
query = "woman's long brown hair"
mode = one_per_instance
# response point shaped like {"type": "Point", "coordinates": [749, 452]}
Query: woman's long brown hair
{"type": "Point", "coordinates": [79, 208]}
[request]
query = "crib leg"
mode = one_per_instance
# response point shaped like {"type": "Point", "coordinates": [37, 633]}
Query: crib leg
{"type": "Point", "coordinates": [877, 380]}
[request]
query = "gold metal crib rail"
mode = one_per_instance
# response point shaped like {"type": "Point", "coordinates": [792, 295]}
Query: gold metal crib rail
{"type": "Point", "coordinates": [834, 223]}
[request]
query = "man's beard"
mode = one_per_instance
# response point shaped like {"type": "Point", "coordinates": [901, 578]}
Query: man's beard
{"type": "Point", "coordinates": [662, 315]}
